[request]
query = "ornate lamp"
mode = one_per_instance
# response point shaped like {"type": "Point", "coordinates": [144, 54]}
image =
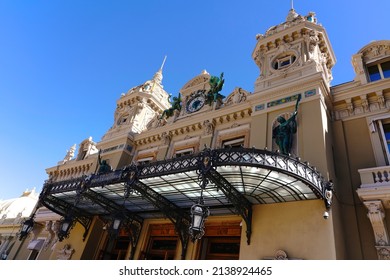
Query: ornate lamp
{"type": "Point", "coordinates": [199, 214]}
{"type": "Point", "coordinates": [26, 228]}
{"type": "Point", "coordinates": [65, 226]}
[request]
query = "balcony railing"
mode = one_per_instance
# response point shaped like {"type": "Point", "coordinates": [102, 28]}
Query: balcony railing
{"type": "Point", "coordinates": [375, 177]}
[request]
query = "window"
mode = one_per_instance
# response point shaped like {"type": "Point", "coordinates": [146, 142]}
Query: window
{"type": "Point", "coordinates": [184, 152]}
{"type": "Point", "coordinates": [234, 143]}
{"type": "Point", "coordinates": [379, 127]}
{"type": "Point", "coordinates": [146, 156]}
{"type": "Point", "coordinates": [237, 136]}
{"type": "Point", "coordinates": [386, 131]}
{"type": "Point", "coordinates": [145, 160]}
{"type": "Point", "coordinates": [283, 62]}
{"type": "Point", "coordinates": [379, 71]}
{"type": "Point", "coordinates": [35, 246]}
{"type": "Point", "coordinates": [385, 139]}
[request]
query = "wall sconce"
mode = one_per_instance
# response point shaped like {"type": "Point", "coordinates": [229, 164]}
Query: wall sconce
{"type": "Point", "coordinates": [65, 226]}
{"type": "Point", "coordinates": [26, 228]}
{"type": "Point", "coordinates": [328, 195]}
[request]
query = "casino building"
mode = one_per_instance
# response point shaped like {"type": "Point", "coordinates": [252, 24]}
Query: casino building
{"type": "Point", "coordinates": [296, 169]}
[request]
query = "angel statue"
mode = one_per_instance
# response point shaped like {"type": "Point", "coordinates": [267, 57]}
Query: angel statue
{"type": "Point", "coordinates": [284, 132]}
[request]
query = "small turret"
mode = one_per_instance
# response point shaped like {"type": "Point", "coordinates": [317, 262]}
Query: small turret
{"type": "Point", "coordinates": [293, 51]}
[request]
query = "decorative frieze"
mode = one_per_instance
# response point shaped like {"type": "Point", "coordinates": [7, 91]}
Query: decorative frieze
{"type": "Point", "coordinates": [284, 100]}
{"type": "Point", "coordinates": [360, 105]}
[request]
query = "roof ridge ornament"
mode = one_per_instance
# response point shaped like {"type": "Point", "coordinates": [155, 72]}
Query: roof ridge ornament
{"type": "Point", "coordinates": [292, 14]}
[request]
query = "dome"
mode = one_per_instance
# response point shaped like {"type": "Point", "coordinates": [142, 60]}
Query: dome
{"type": "Point", "coordinates": [19, 207]}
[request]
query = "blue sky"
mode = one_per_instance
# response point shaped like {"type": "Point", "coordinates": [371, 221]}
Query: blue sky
{"type": "Point", "coordinates": [64, 64]}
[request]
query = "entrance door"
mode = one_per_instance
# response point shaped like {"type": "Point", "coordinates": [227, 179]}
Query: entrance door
{"type": "Point", "coordinates": [161, 248]}
{"type": "Point", "coordinates": [162, 243]}
{"type": "Point", "coordinates": [221, 241]}
{"type": "Point", "coordinates": [217, 248]}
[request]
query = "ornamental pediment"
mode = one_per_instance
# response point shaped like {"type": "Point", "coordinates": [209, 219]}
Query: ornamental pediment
{"type": "Point", "coordinates": [375, 50]}
{"type": "Point", "coordinates": [201, 79]}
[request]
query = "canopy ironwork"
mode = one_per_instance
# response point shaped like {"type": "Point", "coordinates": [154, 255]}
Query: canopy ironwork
{"type": "Point", "coordinates": [233, 179]}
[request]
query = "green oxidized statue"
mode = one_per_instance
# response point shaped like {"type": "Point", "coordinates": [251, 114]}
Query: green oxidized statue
{"type": "Point", "coordinates": [104, 167]}
{"type": "Point", "coordinates": [284, 132]}
{"type": "Point", "coordinates": [176, 105]}
{"type": "Point", "coordinates": [216, 85]}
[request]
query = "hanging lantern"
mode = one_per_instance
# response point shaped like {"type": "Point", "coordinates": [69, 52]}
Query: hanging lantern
{"type": "Point", "coordinates": [199, 214]}
{"type": "Point", "coordinates": [116, 224]}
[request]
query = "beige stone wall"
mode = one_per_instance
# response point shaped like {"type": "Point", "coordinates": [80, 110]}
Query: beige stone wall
{"type": "Point", "coordinates": [354, 145]}
{"type": "Point", "coordinates": [258, 136]}
{"type": "Point", "coordinates": [75, 241]}
{"type": "Point", "coordinates": [297, 228]}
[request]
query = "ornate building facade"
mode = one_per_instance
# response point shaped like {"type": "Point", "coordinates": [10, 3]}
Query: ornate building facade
{"type": "Point", "coordinates": [296, 169]}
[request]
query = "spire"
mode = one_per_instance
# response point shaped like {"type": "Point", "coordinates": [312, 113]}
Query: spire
{"type": "Point", "coordinates": [162, 65]}
{"type": "Point", "coordinates": [158, 76]}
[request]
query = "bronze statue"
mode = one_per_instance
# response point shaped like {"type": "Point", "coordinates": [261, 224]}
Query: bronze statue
{"type": "Point", "coordinates": [104, 167]}
{"type": "Point", "coordinates": [284, 132]}
{"type": "Point", "coordinates": [176, 105]}
{"type": "Point", "coordinates": [216, 85]}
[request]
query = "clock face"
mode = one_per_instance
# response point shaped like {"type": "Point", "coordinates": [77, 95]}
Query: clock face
{"type": "Point", "coordinates": [195, 103]}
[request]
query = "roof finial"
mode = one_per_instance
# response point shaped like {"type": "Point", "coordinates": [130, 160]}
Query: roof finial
{"type": "Point", "coordinates": [291, 14]}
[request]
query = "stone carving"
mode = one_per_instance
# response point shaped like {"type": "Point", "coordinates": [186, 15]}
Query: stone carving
{"type": "Point", "coordinates": [55, 228]}
{"type": "Point", "coordinates": [202, 78]}
{"type": "Point", "coordinates": [49, 239]}
{"type": "Point", "coordinates": [87, 147]}
{"type": "Point", "coordinates": [237, 96]}
{"type": "Point", "coordinates": [153, 122]}
{"type": "Point", "coordinates": [69, 154]}
{"type": "Point", "coordinates": [280, 255]}
{"type": "Point", "coordinates": [208, 127]}
{"type": "Point", "coordinates": [376, 50]}
{"type": "Point", "coordinates": [376, 215]}
{"type": "Point", "coordinates": [165, 138]}
{"type": "Point", "coordinates": [65, 253]}
{"type": "Point", "coordinates": [383, 252]}
{"type": "Point", "coordinates": [311, 40]}
{"type": "Point", "coordinates": [381, 101]}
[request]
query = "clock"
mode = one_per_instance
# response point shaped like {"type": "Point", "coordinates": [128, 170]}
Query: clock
{"type": "Point", "coordinates": [195, 103]}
